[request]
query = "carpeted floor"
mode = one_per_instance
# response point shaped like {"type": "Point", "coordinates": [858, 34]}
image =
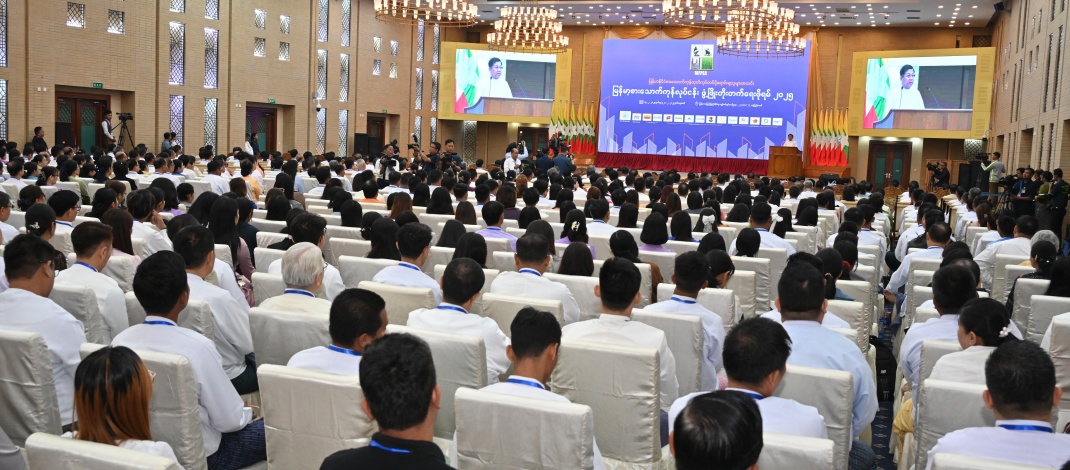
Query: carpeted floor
{"type": "Point", "coordinates": [882, 424]}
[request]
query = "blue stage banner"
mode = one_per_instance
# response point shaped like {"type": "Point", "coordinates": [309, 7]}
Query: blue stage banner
{"type": "Point", "coordinates": [681, 98]}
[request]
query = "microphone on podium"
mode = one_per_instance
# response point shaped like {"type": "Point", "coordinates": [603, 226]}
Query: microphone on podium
{"type": "Point", "coordinates": [522, 90]}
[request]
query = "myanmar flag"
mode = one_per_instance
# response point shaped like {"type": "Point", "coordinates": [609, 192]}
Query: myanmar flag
{"type": "Point", "coordinates": [877, 86]}
{"type": "Point", "coordinates": [467, 78]}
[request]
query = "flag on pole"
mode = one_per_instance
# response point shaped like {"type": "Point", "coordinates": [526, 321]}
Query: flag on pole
{"type": "Point", "coordinates": [467, 77]}
{"type": "Point", "coordinates": [877, 86]}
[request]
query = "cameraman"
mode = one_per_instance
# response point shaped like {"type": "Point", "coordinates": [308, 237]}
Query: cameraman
{"type": "Point", "coordinates": [1023, 194]}
{"type": "Point", "coordinates": [995, 171]}
{"type": "Point", "coordinates": [941, 177]}
{"type": "Point", "coordinates": [105, 125]}
{"type": "Point", "coordinates": [389, 161]}
{"type": "Point", "coordinates": [433, 157]}
{"type": "Point", "coordinates": [450, 159]}
{"type": "Point", "coordinates": [419, 160]}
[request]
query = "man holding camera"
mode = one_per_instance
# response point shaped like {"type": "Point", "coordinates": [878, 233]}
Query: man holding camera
{"type": "Point", "coordinates": [995, 171]}
{"type": "Point", "coordinates": [941, 176]}
{"type": "Point", "coordinates": [105, 126]}
{"type": "Point", "coordinates": [1023, 193]}
{"type": "Point", "coordinates": [450, 159]}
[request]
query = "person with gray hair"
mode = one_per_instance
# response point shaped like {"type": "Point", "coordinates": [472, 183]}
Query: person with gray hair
{"type": "Point", "coordinates": [302, 272]}
{"type": "Point", "coordinates": [808, 190]}
{"type": "Point", "coordinates": [8, 231]}
{"type": "Point", "coordinates": [1043, 235]}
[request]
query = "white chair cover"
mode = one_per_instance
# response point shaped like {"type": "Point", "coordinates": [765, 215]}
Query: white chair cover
{"type": "Point", "coordinates": [1002, 261]}
{"type": "Point", "coordinates": [346, 247]}
{"type": "Point", "coordinates": [352, 233]}
{"type": "Point", "coordinates": [765, 293]}
{"type": "Point", "coordinates": [1013, 273]}
{"type": "Point", "coordinates": [45, 451]}
{"type": "Point", "coordinates": [582, 289]}
{"type": "Point", "coordinates": [965, 462]}
{"type": "Point", "coordinates": [537, 433]}
{"type": "Point", "coordinates": [1024, 291]}
{"type": "Point", "coordinates": [265, 238]}
{"type": "Point", "coordinates": [309, 415]}
{"type": "Point", "coordinates": [460, 361]}
{"type": "Point", "coordinates": [861, 291]}
{"type": "Point", "coordinates": [222, 253]}
{"type": "Point", "coordinates": [744, 285]}
{"type": "Point", "coordinates": [682, 246]}
{"type": "Point", "coordinates": [277, 336]}
{"type": "Point", "coordinates": [600, 243]}
{"type": "Point", "coordinates": [266, 286]}
{"type": "Point", "coordinates": [438, 255]}
{"type": "Point", "coordinates": [121, 269]}
{"type": "Point", "coordinates": [646, 282]}
{"type": "Point", "coordinates": [501, 260]}
{"type": "Point", "coordinates": [81, 302]}
{"type": "Point", "coordinates": [854, 313]}
{"type": "Point", "coordinates": [400, 301]}
{"type": "Point", "coordinates": [665, 261]}
{"type": "Point", "coordinates": [498, 244]}
{"type": "Point", "coordinates": [875, 252]}
{"type": "Point", "coordinates": [802, 241]}
{"type": "Point", "coordinates": [925, 314]}
{"type": "Point", "coordinates": [1060, 355]}
{"type": "Point", "coordinates": [832, 393]}
{"type": "Point", "coordinates": [931, 351]}
{"type": "Point", "coordinates": [918, 296]}
{"type": "Point", "coordinates": [503, 309]}
{"type": "Point", "coordinates": [719, 301]}
{"type": "Point", "coordinates": [796, 452]}
{"type": "Point", "coordinates": [1042, 309]}
{"type": "Point", "coordinates": [943, 407]}
{"type": "Point", "coordinates": [264, 225]}
{"type": "Point", "coordinates": [197, 315]}
{"type": "Point", "coordinates": [355, 270]}
{"type": "Point", "coordinates": [686, 340]}
{"type": "Point", "coordinates": [778, 260]}
{"type": "Point", "coordinates": [620, 384]}
{"type": "Point", "coordinates": [27, 388]}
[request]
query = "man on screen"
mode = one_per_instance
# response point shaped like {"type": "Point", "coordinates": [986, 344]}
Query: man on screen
{"type": "Point", "coordinates": [495, 86]}
{"type": "Point", "coordinates": [907, 96]}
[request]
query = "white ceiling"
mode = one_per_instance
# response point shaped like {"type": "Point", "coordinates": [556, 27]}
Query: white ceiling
{"type": "Point", "coordinates": [947, 13]}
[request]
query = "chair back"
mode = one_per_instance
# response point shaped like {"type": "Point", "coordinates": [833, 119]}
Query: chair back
{"type": "Point", "coordinates": [266, 286]}
{"type": "Point", "coordinates": [646, 282]}
{"type": "Point", "coordinates": [744, 285]}
{"type": "Point", "coordinates": [501, 260]}
{"type": "Point", "coordinates": [918, 296]}
{"type": "Point", "coordinates": [931, 351]}
{"type": "Point", "coordinates": [46, 451]}
{"type": "Point", "coordinates": [352, 233]}
{"type": "Point", "coordinates": [1024, 291]}
{"type": "Point", "coordinates": [503, 309]}
{"type": "Point", "coordinates": [460, 361]}
{"type": "Point", "coordinates": [498, 244]}
{"type": "Point", "coordinates": [309, 415]}
{"type": "Point", "coordinates": [665, 261]}
{"type": "Point", "coordinates": [401, 301]}
{"type": "Point", "coordinates": [346, 247]}
{"type": "Point", "coordinates": [620, 384]}
{"type": "Point", "coordinates": [264, 225]}
{"type": "Point", "coordinates": [600, 243]}
{"type": "Point", "coordinates": [438, 255]}
{"type": "Point", "coordinates": [719, 301]}
{"type": "Point", "coordinates": [943, 461]}
{"type": "Point", "coordinates": [924, 314]}
{"type": "Point", "coordinates": [121, 269]}
{"type": "Point", "coordinates": [1013, 273]}
{"type": "Point", "coordinates": [686, 340]}
{"type": "Point", "coordinates": [81, 302]}
{"type": "Point", "coordinates": [197, 315]}
{"type": "Point", "coordinates": [861, 291]}
{"type": "Point", "coordinates": [943, 407]}
{"type": "Point", "coordinates": [683, 246]}
{"type": "Point", "coordinates": [582, 289]}
{"type": "Point", "coordinates": [778, 260]}
{"type": "Point", "coordinates": [489, 422]}
{"type": "Point", "coordinates": [796, 452]}
{"type": "Point", "coordinates": [265, 238]}
{"type": "Point", "coordinates": [1060, 355]}
{"type": "Point", "coordinates": [1002, 261]}
{"type": "Point", "coordinates": [1043, 310]}
{"type": "Point", "coordinates": [355, 270]}
{"type": "Point", "coordinates": [222, 253]}
{"type": "Point", "coordinates": [832, 393]}
{"type": "Point", "coordinates": [764, 290]}
{"type": "Point", "coordinates": [855, 314]}
{"type": "Point", "coordinates": [278, 335]}
{"type": "Point", "coordinates": [801, 240]}
{"type": "Point", "coordinates": [28, 402]}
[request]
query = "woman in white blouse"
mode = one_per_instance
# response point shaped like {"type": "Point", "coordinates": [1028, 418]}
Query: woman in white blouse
{"type": "Point", "coordinates": [983, 326]}
{"type": "Point", "coordinates": [112, 389]}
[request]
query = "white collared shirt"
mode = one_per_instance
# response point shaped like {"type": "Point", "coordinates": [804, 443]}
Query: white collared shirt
{"type": "Point", "coordinates": [452, 318]}
{"type": "Point", "coordinates": [110, 298]}
{"type": "Point", "coordinates": [332, 279]}
{"type": "Point", "coordinates": [233, 338]}
{"type": "Point", "coordinates": [225, 275]}
{"type": "Point", "coordinates": [779, 415]}
{"type": "Point", "coordinates": [620, 330]}
{"type": "Point", "coordinates": [601, 228]}
{"type": "Point", "coordinates": [712, 326]}
{"type": "Point", "coordinates": [865, 237]}
{"type": "Point", "coordinates": [408, 275]}
{"type": "Point", "coordinates": [830, 320]}
{"type": "Point", "coordinates": [154, 240]}
{"type": "Point", "coordinates": [298, 303]}
{"type": "Point", "coordinates": [1023, 447]}
{"type": "Point", "coordinates": [943, 328]}
{"type": "Point", "coordinates": [63, 334]}
{"type": "Point", "coordinates": [906, 237]}
{"type": "Point", "coordinates": [220, 185]}
{"type": "Point", "coordinates": [815, 346]}
{"type": "Point", "coordinates": [221, 408]}
{"type": "Point", "coordinates": [9, 232]}
{"type": "Point", "coordinates": [322, 359]}
{"type": "Point", "coordinates": [899, 277]}
{"type": "Point", "coordinates": [529, 283]}
{"type": "Point", "coordinates": [769, 240]}
{"type": "Point", "coordinates": [986, 260]}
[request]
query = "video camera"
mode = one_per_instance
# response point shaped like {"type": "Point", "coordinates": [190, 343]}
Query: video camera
{"type": "Point", "coordinates": [126, 116]}
{"type": "Point", "coordinates": [932, 166]}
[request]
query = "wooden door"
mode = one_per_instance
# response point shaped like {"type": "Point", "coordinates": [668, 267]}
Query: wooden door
{"type": "Point", "coordinates": [887, 162]}
{"type": "Point", "coordinates": [377, 128]}
{"type": "Point", "coordinates": [78, 119]}
{"type": "Point", "coordinates": [535, 138]}
{"type": "Point", "coordinates": [262, 122]}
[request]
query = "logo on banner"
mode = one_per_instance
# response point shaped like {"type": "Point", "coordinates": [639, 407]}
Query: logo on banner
{"type": "Point", "coordinates": [701, 57]}
{"type": "Point", "coordinates": [755, 121]}
{"type": "Point", "coordinates": [625, 115]}
{"type": "Point", "coordinates": [733, 120]}
{"type": "Point", "coordinates": [778, 122]}
{"type": "Point", "coordinates": [767, 121]}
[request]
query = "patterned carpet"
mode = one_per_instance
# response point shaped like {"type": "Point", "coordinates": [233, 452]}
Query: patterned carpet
{"type": "Point", "coordinates": [882, 424]}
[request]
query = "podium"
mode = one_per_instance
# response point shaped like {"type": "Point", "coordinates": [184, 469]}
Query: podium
{"type": "Point", "coordinates": [518, 106]}
{"type": "Point", "coordinates": [785, 162]}
{"type": "Point", "coordinates": [927, 119]}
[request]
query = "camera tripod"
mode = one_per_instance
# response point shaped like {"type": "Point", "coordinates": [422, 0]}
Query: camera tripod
{"type": "Point", "coordinates": [124, 134]}
{"type": "Point", "coordinates": [1004, 201]}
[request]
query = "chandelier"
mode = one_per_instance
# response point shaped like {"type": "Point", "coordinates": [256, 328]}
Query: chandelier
{"type": "Point", "coordinates": [714, 13]}
{"type": "Point", "coordinates": [440, 12]}
{"type": "Point", "coordinates": [769, 34]}
{"type": "Point", "coordinates": [528, 28]}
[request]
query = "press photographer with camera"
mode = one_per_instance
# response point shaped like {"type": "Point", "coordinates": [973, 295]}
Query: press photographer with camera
{"type": "Point", "coordinates": [995, 171]}
{"type": "Point", "coordinates": [450, 159]}
{"type": "Point", "coordinates": [105, 125]}
{"type": "Point", "coordinates": [940, 177]}
{"type": "Point", "coordinates": [1023, 194]}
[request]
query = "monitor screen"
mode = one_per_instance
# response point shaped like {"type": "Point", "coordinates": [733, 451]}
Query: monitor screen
{"type": "Point", "coordinates": [898, 89]}
{"type": "Point", "coordinates": [504, 83]}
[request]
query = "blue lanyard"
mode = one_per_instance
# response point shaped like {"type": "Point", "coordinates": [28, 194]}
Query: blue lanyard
{"type": "Point", "coordinates": [409, 266]}
{"type": "Point", "coordinates": [760, 230]}
{"type": "Point", "coordinates": [64, 223]}
{"type": "Point", "coordinates": [1026, 427]}
{"type": "Point", "coordinates": [298, 292]}
{"type": "Point", "coordinates": [599, 221]}
{"type": "Point", "coordinates": [452, 307]}
{"type": "Point", "coordinates": [530, 271]}
{"type": "Point", "coordinates": [80, 263]}
{"type": "Point", "coordinates": [157, 322]}
{"type": "Point", "coordinates": [683, 300]}
{"type": "Point", "coordinates": [388, 449]}
{"type": "Point", "coordinates": [343, 350]}
{"type": "Point", "coordinates": [493, 228]}
{"type": "Point", "coordinates": [529, 383]}
{"type": "Point", "coordinates": [754, 395]}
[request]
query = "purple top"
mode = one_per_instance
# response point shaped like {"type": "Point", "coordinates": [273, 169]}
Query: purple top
{"type": "Point", "coordinates": [496, 232]}
{"type": "Point", "coordinates": [655, 248]}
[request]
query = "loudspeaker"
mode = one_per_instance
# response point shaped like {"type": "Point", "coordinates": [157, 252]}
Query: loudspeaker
{"type": "Point", "coordinates": [360, 144]}
{"type": "Point", "coordinates": [969, 174]}
{"type": "Point", "coordinates": [64, 134]}
{"type": "Point", "coordinates": [1000, 7]}
{"type": "Point", "coordinates": [375, 145]}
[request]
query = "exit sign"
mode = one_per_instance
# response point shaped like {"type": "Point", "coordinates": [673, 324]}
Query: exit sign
{"type": "Point", "coordinates": [98, 84]}
{"type": "Point", "coordinates": [271, 100]}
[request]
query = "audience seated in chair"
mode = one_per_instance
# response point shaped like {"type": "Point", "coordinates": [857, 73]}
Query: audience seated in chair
{"type": "Point", "coordinates": [92, 246]}
{"type": "Point", "coordinates": [232, 439]}
{"type": "Point", "coordinates": [312, 228]}
{"type": "Point", "coordinates": [397, 377]}
{"type": "Point", "coordinates": [414, 244]}
{"type": "Point", "coordinates": [302, 272]}
{"type": "Point", "coordinates": [829, 319]}
{"type": "Point", "coordinates": [718, 430]}
{"type": "Point", "coordinates": [494, 217]}
{"type": "Point", "coordinates": [761, 219]}
{"type": "Point", "coordinates": [358, 317]}
{"type": "Point", "coordinates": [532, 261]}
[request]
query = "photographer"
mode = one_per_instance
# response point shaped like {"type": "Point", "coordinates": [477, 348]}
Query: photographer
{"type": "Point", "coordinates": [419, 160]}
{"type": "Point", "coordinates": [449, 159]}
{"type": "Point", "coordinates": [389, 161]}
{"type": "Point", "coordinates": [941, 177]}
{"type": "Point", "coordinates": [105, 126]}
{"type": "Point", "coordinates": [1023, 194]}
{"type": "Point", "coordinates": [433, 156]}
{"type": "Point", "coordinates": [995, 171]}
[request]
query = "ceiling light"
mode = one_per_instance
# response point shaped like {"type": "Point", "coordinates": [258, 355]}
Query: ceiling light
{"type": "Point", "coordinates": [412, 12]}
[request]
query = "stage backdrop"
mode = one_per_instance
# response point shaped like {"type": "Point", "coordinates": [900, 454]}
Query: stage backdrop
{"type": "Point", "coordinates": [679, 104]}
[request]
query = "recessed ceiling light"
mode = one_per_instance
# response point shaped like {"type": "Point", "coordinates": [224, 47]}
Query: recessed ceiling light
{"type": "Point", "coordinates": [938, 24]}
{"type": "Point", "coordinates": [975, 6]}
{"type": "Point", "coordinates": [941, 6]}
{"type": "Point", "coordinates": [836, 23]}
{"type": "Point", "coordinates": [808, 22]}
{"type": "Point", "coordinates": [970, 16]}
{"type": "Point", "coordinates": [967, 24]}
{"type": "Point", "coordinates": [938, 16]}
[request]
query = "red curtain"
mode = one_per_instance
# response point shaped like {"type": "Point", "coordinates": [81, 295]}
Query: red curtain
{"type": "Point", "coordinates": [682, 164]}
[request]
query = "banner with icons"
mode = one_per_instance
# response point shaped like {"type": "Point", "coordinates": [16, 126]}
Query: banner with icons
{"type": "Point", "coordinates": [681, 98]}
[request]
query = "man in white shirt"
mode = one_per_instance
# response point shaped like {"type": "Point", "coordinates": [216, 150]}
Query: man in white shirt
{"type": "Point", "coordinates": [495, 85]}
{"type": "Point", "coordinates": [105, 127]}
{"type": "Point", "coordinates": [808, 190]}
{"type": "Point", "coordinates": [937, 236]}
{"type": "Point", "coordinates": [866, 235]}
{"type": "Point", "coordinates": [953, 286]}
{"type": "Point", "coordinates": [357, 317]}
{"type": "Point", "coordinates": [906, 96]}
{"type": "Point", "coordinates": [66, 205]}
{"type": "Point", "coordinates": [220, 185]}
{"type": "Point", "coordinates": [815, 346]}
{"type": "Point", "coordinates": [26, 307]}
{"type": "Point", "coordinates": [1022, 392]}
{"type": "Point", "coordinates": [720, 429]}
{"type": "Point", "coordinates": [16, 168]}
{"type": "Point", "coordinates": [322, 175]}
{"type": "Point", "coordinates": [829, 319]}
{"type": "Point", "coordinates": [1004, 231]}
{"type": "Point", "coordinates": [92, 246]}
{"type": "Point", "coordinates": [600, 213]}
{"type": "Point", "coordinates": [233, 337]}
{"type": "Point", "coordinates": [761, 219]}
{"type": "Point", "coordinates": [311, 228]}
{"type": "Point", "coordinates": [8, 231]}
{"type": "Point", "coordinates": [532, 260]}
{"type": "Point", "coordinates": [755, 360]}
{"type": "Point", "coordinates": [230, 434]}
{"type": "Point", "coordinates": [618, 288]}
{"type": "Point", "coordinates": [690, 277]}
{"type": "Point", "coordinates": [512, 161]}
{"type": "Point", "coordinates": [414, 244]}
{"type": "Point", "coordinates": [533, 352]}
{"type": "Point", "coordinates": [1024, 229]}
{"type": "Point", "coordinates": [165, 169]}
{"type": "Point", "coordinates": [302, 272]}
{"type": "Point", "coordinates": [461, 283]}
{"type": "Point", "coordinates": [790, 142]}
{"type": "Point", "coordinates": [494, 216]}
{"type": "Point", "coordinates": [148, 225]}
